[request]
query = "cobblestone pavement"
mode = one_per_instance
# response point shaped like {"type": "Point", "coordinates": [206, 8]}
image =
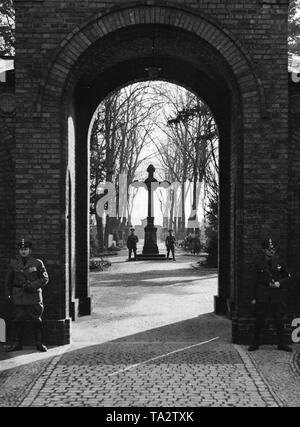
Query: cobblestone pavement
{"type": "Point", "coordinates": [142, 358]}
{"type": "Point", "coordinates": [15, 383]}
{"type": "Point", "coordinates": [282, 372]}
{"type": "Point", "coordinates": [210, 376]}
{"type": "Point", "coordinates": [170, 374]}
{"type": "Point", "coordinates": [215, 374]}
{"type": "Point", "coordinates": [155, 368]}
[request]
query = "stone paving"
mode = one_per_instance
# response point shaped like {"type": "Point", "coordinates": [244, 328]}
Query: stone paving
{"type": "Point", "coordinates": [215, 374]}
{"type": "Point", "coordinates": [282, 373]}
{"type": "Point", "coordinates": [15, 383]}
{"type": "Point", "coordinates": [142, 358]}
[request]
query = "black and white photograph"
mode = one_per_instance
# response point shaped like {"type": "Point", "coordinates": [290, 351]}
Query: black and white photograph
{"type": "Point", "coordinates": [150, 206]}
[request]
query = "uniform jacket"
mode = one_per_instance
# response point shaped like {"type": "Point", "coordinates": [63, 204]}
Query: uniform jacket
{"type": "Point", "coordinates": [18, 275]}
{"type": "Point", "coordinates": [132, 242]}
{"type": "Point", "coordinates": [266, 273]}
{"type": "Point", "coordinates": [170, 241]}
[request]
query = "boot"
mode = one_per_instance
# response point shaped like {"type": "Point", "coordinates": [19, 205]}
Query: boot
{"type": "Point", "coordinates": [17, 344]}
{"type": "Point", "coordinates": [256, 340]}
{"type": "Point", "coordinates": [253, 347]}
{"type": "Point", "coordinates": [38, 333]}
{"type": "Point", "coordinates": [280, 334]}
{"type": "Point", "coordinates": [284, 347]}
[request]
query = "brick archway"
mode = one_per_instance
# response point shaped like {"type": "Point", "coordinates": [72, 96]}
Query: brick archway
{"type": "Point", "coordinates": [72, 78]}
{"type": "Point", "coordinates": [83, 54]}
{"type": "Point", "coordinates": [81, 38]}
{"type": "Point", "coordinates": [72, 82]}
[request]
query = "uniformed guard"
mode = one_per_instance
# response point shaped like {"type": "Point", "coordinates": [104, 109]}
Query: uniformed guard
{"type": "Point", "coordinates": [132, 241]}
{"type": "Point", "coordinates": [170, 245]}
{"type": "Point", "coordinates": [24, 281]}
{"type": "Point", "coordinates": [270, 294]}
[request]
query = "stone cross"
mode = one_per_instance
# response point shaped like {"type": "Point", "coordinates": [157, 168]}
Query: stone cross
{"type": "Point", "coordinates": [149, 181]}
{"type": "Point", "coordinates": [150, 244]}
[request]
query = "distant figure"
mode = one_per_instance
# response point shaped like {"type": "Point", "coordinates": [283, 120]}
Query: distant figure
{"type": "Point", "coordinates": [24, 282]}
{"type": "Point", "coordinates": [170, 245]}
{"type": "Point", "coordinates": [270, 294]}
{"type": "Point", "coordinates": [132, 241]}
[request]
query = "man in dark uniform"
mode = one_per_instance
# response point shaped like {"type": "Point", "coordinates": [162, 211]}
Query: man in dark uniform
{"type": "Point", "coordinates": [132, 241]}
{"type": "Point", "coordinates": [170, 245]}
{"type": "Point", "coordinates": [270, 294]}
{"type": "Point", "coordinates": [24, 281]}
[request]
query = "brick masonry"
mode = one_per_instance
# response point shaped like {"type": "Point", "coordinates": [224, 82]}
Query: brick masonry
{"type": "Point", "coordinates": [7, 187]}
{"type": "Point", "coordinates": [294, 192]}
{"type": "Point", "coordinates": [244, 66]}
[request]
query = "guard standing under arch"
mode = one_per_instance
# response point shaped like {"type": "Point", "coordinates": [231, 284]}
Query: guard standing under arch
{"type": "Point", "coordinates": [24, 281]}
{"type": "Point", "coordinates": [270, 294]}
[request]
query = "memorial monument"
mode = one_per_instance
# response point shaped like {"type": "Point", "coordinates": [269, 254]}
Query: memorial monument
{"type": "Point", "coordinates": [150, 249]}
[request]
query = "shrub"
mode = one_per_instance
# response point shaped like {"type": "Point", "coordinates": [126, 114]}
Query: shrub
{"type": "Point", "coordinates": [99, 264]}
{"type": "Point", "coordinates": [212, 247]}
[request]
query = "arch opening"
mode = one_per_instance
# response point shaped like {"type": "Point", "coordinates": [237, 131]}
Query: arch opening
{"type": "Point", "coordinates": [124, 57]}
{"type": "Point", "coordinates": [209, 52]}
{"type": "Point", "coordinates": [167, 126]}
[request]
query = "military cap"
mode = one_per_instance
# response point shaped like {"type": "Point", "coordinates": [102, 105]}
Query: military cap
{"type": "Point", "coordinates": [24, 244]}
{"type": "Point", "coordinates": [132, 229]}
{"type": "Point", "coordinates": [170, 230]}
{"type": "Point", "coordinates": [267, 242]}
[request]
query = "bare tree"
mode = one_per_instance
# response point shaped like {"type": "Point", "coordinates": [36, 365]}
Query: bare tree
{"type": "Point", "coordinates": [7, 28]}
{"type": "Point", "coordinates": [294, 27]}
{"type": "Point", "coordinates": [123, 129]}
{"type": "Point", "coordinates": [190, 153]}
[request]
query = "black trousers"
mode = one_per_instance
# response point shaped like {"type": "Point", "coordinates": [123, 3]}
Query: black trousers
{"type": "Point", "coordinates": [18, 333]}
{"type": "Point", "coordinates": [171, 249]}
{"type": "Point", "coordinates": [31, 312]}
{"type": "Point", "coordinates": [24, 313]}
{"type": "Point", "coordinates": [130, 252]}
{"type": "Point", "coordinates": [264, 309]}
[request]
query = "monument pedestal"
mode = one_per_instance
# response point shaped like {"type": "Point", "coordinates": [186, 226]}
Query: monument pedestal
{"type": "Point", "coordinates": [150, 250]}
{"type": "Point", "coordinates": [150, 245]}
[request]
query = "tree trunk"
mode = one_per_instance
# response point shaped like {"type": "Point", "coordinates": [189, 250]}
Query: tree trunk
{"type": "Point", "coordinates": [107, 231]}
{"type": "Point", "coordinates": [100, 240]}
{"type": "Point", "coordinates": [195, 187]}
{"type": "Point", "coordinates": [183, 207]}
{"type": "Point", "coordinates": [176, 225]}
{"type": "Point", "coordinates": [129, 223]}
{"type": "Point", "coordinates": [172, 210]}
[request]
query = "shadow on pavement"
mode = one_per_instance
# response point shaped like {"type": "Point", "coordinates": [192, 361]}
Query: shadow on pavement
{"type": "Point", "coordinates": [204, 340]}
{"type": "Point", "coordinates": [156, 278]}
{"type": "Point", "coordinates": [201, 328]}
